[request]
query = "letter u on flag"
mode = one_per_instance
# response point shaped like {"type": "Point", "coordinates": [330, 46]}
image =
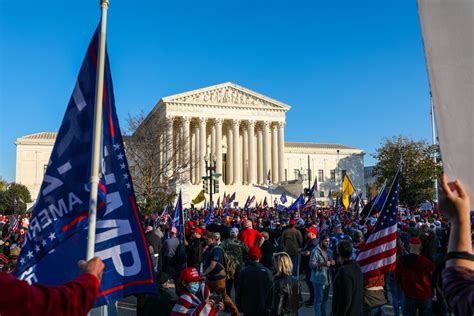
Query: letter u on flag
{"type": "Point", "coordinates": [57, 236]}
{"type": "Point", "coordinates": [347, 190]}
{"type": "Point", "coordinates": [199, 198]}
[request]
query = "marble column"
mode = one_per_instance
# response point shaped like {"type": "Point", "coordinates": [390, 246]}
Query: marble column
{"type": "Point", "coordinates": [266, 150]}
{"type": "Point", "coordinates": [187, 148]}
{"type": "Point", "coordinates": [196, 154]}
{"type": "Point", "coordinates": [230, 156]}
{"type": "Point", "coordinates": [237, 162]}
{"type": "Point", "coordinates": [281, 150]}
{"type": "Point", "coordinates": [252, 164]}
{"type": "Point", "coordinates": [213, 139]}
{"type": "Point", "coordinates": [245, 155]}
{"type": "Point", "coordinates": [218, 128]}
{"type": "Point", "coordinates": [260, 176]}
{"type": "Point", "coordinates": [192, 150]}
{"type": "Point", "coordinates": [275, 172]}
{"type": "Point", "coordinates": [168, 167]}
{"type": "Point", "coordinates": [202, 147]}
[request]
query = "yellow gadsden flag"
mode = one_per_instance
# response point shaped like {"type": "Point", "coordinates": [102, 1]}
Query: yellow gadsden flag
{"type": "Point", "coordinates": [199, 198]}
{"type": "Point", "coordinates": [347, 190]}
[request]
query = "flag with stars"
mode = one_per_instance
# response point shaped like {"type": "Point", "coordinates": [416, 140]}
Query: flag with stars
{"type": "Point", "coordinates": [379, 254]}
{"type": "Point", "coordinates": [57, 235]}
{"type": "Point", "coordinates": [178, 216]}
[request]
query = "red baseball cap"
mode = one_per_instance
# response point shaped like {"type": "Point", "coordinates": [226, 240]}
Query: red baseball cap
{"type": "Point", "coordinates": [312, 230]}
{"type": "Point", "coordinates": [190, 275]}
{"type": "Point", "coordinates": [414, 241]}
{"type": "Point", "coordinates": [255, 253]}
{"type": "Point", "coordinates": [293, 222]}
{"type": "Point", "coordinates": [198, 230]}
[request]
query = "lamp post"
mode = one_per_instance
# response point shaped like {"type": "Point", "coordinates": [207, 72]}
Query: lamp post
{"type": "Point", "coordinates": [210, 170]}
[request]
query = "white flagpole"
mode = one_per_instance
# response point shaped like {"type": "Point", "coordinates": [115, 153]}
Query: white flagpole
{"type": "Point", "coordinates": [97, 140]}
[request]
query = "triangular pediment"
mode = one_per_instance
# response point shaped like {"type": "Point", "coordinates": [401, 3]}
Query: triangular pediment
{"type": "Point", "coordinates": [226, 94]}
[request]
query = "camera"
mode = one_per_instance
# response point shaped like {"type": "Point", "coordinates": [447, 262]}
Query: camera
{"type": "Point", "coordinates": [216, 297]}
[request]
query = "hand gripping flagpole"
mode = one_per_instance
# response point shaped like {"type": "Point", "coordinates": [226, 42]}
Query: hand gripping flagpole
{"type": "Point", "coordinates": [97, 140]}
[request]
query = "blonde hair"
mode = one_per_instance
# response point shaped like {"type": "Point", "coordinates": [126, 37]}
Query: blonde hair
{"type": "Point", "coordinates": [282, 264]}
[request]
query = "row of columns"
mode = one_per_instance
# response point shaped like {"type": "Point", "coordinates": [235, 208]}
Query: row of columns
{"type": "Point", "coordinates": [253, 148]}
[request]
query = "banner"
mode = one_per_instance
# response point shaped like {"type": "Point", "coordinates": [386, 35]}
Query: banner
{"type": "Point", "coordinates": [57, 236]}
{"type": "Point", "coordinates": [447, 28]}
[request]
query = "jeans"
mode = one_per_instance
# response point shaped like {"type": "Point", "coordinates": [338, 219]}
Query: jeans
{"type": "Point", "coordinates": [294, 260]}
{"type": "Point", "coordinates": [321, 295]}
{"type": "Point", "coordinates": [398, 299]}
{"type": "Point", "coordinates": [375, 311]}
{"type": "Point", "coordinates": [412, 305]}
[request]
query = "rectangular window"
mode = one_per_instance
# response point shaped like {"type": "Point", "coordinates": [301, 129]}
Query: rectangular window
{"type": "Point", "coordinates": [321, 175]}
{"type": "Point", "coordinates": [333, 175]}
{"type": "Point", "coordinates": [321, 194]}
{"type": "Point", "coordinates": [297, 173]}
{"type": "Point", "coordinates": [286, 174]}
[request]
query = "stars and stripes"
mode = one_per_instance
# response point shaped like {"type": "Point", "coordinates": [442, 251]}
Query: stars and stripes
{"type": "Point", "coordinates": [379, 254]}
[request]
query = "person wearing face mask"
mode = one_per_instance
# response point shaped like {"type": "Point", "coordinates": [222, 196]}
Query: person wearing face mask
{"type": "Point", "coordinates": [195, 298]}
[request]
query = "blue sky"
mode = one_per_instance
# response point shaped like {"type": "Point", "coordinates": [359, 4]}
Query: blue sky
{"type": "Point", "coordinates": [353, 71]}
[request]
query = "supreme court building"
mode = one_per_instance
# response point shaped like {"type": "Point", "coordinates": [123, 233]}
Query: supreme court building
{"type": "Point", "coordinates": [243, 131]}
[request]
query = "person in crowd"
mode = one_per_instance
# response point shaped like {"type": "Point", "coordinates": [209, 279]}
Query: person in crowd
{"type": "Point", "coordinates": [413, 273]}
{"type": "Point", "coordinates": [195, 298]}
{"type": "Point", "coordinates": [73, 298]}
{"type": "Point", "coordinates": [194, 248]}
{"type": "Point", "coordinates": [374, 295]}
{"type": "Point", "coordinates": [234, 253]}
{"type": "Point", "coordinates": [170, 246]}
{"type": "Point", "coordinates": [154, 245]}
{"type": "Point", "coordinates": [458, 276]}
{"type": "Point", "coordinates": [319, 263]}
{"type": "Point", "coordinates": [214, 270]}
{"type": "Point", "coordinates": [286, 296]}
{"type": "Point", "coordinates": [396, 292]}
{"type": "Point", "coordinates": [253, 286]}
{"type": "Point", "coordinates": [311, 243]}
{"type": "Point", "coordinates": [335, 238]}
{"type": "Point", "coordinates": [267, 250]}
{"type": "Point", "coordinates": [348, 284]}
{"type": "Point", "coordinates": [292, 241]}
{"type": "Point", "coordinates": [162, 303]}
{"type": "Point", "coordinates": [13, 258]}
{"type": "Point", "coordinates": [249, 236]}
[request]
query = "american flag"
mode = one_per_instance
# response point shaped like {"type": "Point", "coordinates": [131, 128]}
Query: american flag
{"type": "Point", "coordinates": [310, 203]}
{"type": "Point", "coordinates": [379, 254]}
{"type": "Point", "coordinates": [13, 224]}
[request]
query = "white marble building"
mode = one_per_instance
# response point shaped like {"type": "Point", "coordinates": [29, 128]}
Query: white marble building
{"type": "Point", "coordinates": [243, 130]}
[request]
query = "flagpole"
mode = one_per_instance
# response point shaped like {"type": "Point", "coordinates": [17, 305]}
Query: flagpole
{"type": "Point", "coordinates": [433, 139]}
{"type": "Point", "coordinates": [97, 138]}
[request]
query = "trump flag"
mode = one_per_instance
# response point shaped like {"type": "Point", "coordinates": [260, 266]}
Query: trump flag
{"type": "Point", "coordinates": [57, 235]}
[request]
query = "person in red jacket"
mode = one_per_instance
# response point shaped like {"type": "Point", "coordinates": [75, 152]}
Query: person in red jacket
{"type": "Point", "coordinates": [413, 272]}
{"type": "Point", "coordinates": [73, 298]}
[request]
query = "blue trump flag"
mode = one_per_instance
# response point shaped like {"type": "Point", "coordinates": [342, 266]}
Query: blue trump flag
{"type": "Point", "coordinates": [297, 204]}
{"type": "Point", "coordinates": [178, 218]}
{"type": "Point", "coordinates": [57, 236]}
{"type": "Point", "coordinates": [283, 198]}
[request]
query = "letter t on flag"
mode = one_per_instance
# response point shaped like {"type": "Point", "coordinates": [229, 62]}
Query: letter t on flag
{"type": "Point", "coordinates": [57, 236]}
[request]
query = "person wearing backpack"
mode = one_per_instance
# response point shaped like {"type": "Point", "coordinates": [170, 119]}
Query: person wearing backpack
{"type": "Point", "coordinates": [214, 270]}
{"type": "Point", "coordinates": [234, 253]}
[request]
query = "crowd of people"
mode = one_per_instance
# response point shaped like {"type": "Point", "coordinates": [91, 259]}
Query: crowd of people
{"type": "Point", "coordinates": [256, 262]}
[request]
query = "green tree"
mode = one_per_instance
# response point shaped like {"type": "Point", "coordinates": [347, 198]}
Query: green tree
{"type": "Point", "coordinates": [14, 198]}
{"type": "Point", "coordinates": [419, 170]}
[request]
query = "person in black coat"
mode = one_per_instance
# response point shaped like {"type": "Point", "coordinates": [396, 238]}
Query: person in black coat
{"type": "Point", "coordinates": [286, 296]}
{"type": "Point", "coordinates": [253, 286]}
{"type": "Point", "coordinates": [348, 285]}
{"type": "Point", "coordinates": [267, 250]}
